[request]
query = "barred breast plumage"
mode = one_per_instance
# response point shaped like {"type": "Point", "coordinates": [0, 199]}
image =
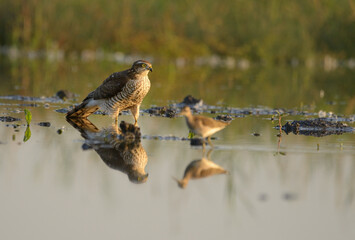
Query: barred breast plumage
{"type": "Point", "coordinates": [125, 155]}
{"type": "Point", "coordinates": [132, 94]}
{"type": "Point", "coordinates": [120, 91]}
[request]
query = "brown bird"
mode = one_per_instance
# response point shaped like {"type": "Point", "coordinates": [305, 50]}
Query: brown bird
{"type": "Point", "coordinates": [200, 169]}
{"type": "Point", "coordinates": [120, 149]}
{"type": "Point", "coordinates": [201, 125]}
{"type": "Point", "coordinates": [120, 91]}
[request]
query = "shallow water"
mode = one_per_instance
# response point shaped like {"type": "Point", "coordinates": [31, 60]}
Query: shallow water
{"type": "Point", "coordinates": [293, 187]}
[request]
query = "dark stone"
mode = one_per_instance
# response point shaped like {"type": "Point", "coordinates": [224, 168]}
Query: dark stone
{"type": "Point", "coordinates": [289, 196]}
{"type": "Point", "coordinates": [162, 111]}
{"type": "Point", "coordinates": [225, 118]}
{"type": "Point", "coordinates": [190, 100]}
{"type": "Point", "coordinates": [318, 127]}
{"type": "Point", "coordinates": [9, 119]}
{"type": "Point", "coordinates": [130, 131]}
{"type": "Point", "coordinates": [44, 124]}
{"type": "Point", "coordinates": [64, 94]}
{"type": "Point", "coordinates": [196, 142]}
{"type": "Point", "coordinates": [263, 197]}
{"type": "Point", "coordinates": [86, 146]}
{"type": "Point", "coordinates": [62, 110]}
{"type": "Point", "coordinates": [29, 105]}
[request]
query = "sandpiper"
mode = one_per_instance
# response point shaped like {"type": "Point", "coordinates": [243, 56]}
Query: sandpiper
{"type": "Point", "coordinates": [201, 125]}
{"type": "Point", "coordinates": [200, 169]}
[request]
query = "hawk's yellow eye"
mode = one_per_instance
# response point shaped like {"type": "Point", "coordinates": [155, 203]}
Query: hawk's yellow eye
{"type": "Point", "coordinates": [144, 65]}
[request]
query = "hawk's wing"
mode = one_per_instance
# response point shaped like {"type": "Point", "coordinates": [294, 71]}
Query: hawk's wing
{"type": "Point", "coordinates": [111, 86]}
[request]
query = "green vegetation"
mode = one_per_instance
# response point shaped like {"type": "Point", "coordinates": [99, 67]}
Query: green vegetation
{"type": "Point", "coordinates": [301, 88]}
{"type": "Point", "coordinates": [269, 31]}
{"type": "Point", "coordinates": [28, 116]}
{"type": "Point", "coordinates": [27, 135]}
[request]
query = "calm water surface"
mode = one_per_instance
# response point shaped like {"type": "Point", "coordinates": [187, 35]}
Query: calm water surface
{"type": "Point", "coordinates": [296, 187]}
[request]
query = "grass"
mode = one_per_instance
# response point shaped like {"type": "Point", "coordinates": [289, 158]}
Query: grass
{"type": "Point", "coordinates": [267, 31]}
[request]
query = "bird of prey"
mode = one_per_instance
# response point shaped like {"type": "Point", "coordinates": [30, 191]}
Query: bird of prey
{"type": "Point", "coordinates": [120, 148]}
{"type": "Point", "coordinates": [120, 91]}
{"type": "Point", "coordinates": [201, 125]}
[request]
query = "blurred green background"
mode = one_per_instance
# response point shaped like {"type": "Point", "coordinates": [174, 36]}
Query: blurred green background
{"type": "Point", "coordinates": [260, 30]}
{"type": "Point", "coordinates": [238, 53]}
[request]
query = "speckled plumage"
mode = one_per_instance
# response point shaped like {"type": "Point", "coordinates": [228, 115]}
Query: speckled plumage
{"type": "Point", "coordinates": [120, 91]}
{"type": "Point", "coordinates": [200, 168]}
{"type": "Point", "coordinates": [201, 125]}
{"type": "Point", "coordinates": [126, 155]}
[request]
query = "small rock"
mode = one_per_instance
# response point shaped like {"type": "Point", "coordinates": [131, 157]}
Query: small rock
{"type": "Point", "coordinates": [263, 197]}
{"type": "Point", "coordinates": [64, 94]}
{"type": "Point", "coordinates": [196, 142]}
{"type": "Point", "coordinates": [190, 100]}
{"type": "Point", "coordinates": [162, 111]}
{"type": "Point", "coordinates": [9, 119]}
{"type": "Point", "coordinates": [225, 118]}
{"type": "Point", "coordinates": [62, 110]}
{"type": "Point", "coordinates": [44, 124]}
{"type": "Point", "coordinates": [130, 131]}
{"type": "Point", "coordinates": [289, 196]}
{"type": "Point", "coordinates": [86, 146]}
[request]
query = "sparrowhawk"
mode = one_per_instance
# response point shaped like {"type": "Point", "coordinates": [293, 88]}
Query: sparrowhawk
{"type": "Point", "coordinates": [123, 90]}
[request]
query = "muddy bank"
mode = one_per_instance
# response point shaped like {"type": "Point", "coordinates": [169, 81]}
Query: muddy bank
{"type": "Point", "coordinates": [198, 106]}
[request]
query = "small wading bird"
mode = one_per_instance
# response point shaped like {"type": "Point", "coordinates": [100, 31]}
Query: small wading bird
{"type": "Point", "coordinates": [200, 169]}
{"type": "Point", "coordinates": [201, 125]}
{"type": "Point", "coordinates": [120, 91]}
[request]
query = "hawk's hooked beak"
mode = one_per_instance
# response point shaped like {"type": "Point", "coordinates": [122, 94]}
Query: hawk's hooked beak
{"type": "Point", "coordinates": [149, 68]}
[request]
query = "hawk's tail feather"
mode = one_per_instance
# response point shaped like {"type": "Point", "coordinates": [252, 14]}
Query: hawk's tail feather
{"type": "Point", "coordinates": [82, 124]}
{"type": "Point", "coordinates": [82, 110]}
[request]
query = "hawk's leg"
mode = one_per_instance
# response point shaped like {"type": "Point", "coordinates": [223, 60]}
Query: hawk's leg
{"type": "Point", "coordinates": [209, 141]}
{"type": "Point", "coordinates": [135, 113]}
{"type": "Point", "coordinates": [116, 119]}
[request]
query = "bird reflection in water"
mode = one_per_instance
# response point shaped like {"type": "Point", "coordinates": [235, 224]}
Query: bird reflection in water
{"type": "Point", "coordinates": [200, 168]}
{"type": "Point", "coordinates": [120, 148]}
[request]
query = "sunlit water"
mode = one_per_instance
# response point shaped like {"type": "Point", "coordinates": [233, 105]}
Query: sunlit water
{"type": "Point", "coordinates": [293, 187]}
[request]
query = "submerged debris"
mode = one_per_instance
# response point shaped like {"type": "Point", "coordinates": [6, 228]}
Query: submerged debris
{"type": "Point", "coordinates": [162, 111]}
{"type": "Point", "coordinates": [35, 100]}
{"type": "Point", "coordinates": [226, 118]}
{"type": "Point", "coordinates": [86, 146]}
{"type": "Point", "coordinates": [9, 119]}
{"type": "Point", "coordinates": [62, 110]}
{"type": "Point", "coordinates": [196, 142]}
{"type": "Point", "coordinates": [129, 131]}
{"type": "Point", "coordinates": [191, 102]}
{"type": "Point", "coordinates": [288, 196]}
{"type": "Point", "coordinates": [64, 94]}
{"type": "Point", "coordinates": [318, 127]}
{"type": "Point", "coordinates": [13, 125]}
{"type": "Point", "coordinates": [44, 124]}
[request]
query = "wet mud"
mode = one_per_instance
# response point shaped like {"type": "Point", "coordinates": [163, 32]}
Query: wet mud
{"type": "Point", "coordinates": [9, 119]}
{"type": "Point", "coordinates": [318, 127]}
